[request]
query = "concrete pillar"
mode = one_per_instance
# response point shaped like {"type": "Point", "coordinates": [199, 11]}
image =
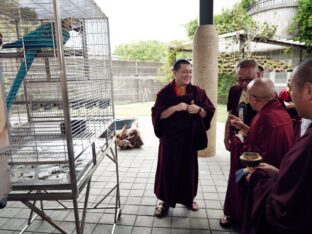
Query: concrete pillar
{"type": "Point", "coordinates": [205, 74]}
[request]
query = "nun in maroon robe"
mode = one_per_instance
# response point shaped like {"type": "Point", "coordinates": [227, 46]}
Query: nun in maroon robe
{"type": "Point", "coordinates": [180, 136]}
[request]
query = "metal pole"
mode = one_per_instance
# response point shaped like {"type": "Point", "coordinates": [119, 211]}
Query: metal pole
{"type": "Point", "coordinates": [205, 12]}
{"type": "Point", "coordinates": [67, 122]}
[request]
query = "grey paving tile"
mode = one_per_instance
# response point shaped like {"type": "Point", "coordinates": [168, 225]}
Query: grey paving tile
{"type": "Point", "coordinates": [211, 196]}
{"type": "Point", "coordinates": [163, 222]}
{"type": "Point", "coordinates": [201, 213]}
{"type": "Point", "coordinates": [180, 212]}
{"type": "Point", "coordinates": [180, 231]}
{"type": "Point", "coordinates": [161, 230]}
{"type": "Point", "coordinates": [134, 200]}
{"type": "Point", "coordinates": [121, 230]}
{"type": "Point", "coordinates": [197, 223]}
{"type": "Point", "coordinates": [3, 221]}
{"type": "Point", "coordinates": [181, 222]}
{"type": "Point", "coordinates": [146, 210]}
{"type": "Point", "coordinates": [214, 204]}
{"type": "Point", "coordinates": [130, 209]}
{"type": "Point", "coordinates": [149, 201]}
{"type": "Point", "coordinates": [107, 219]}
{"type": "Point", "coordinates": [215, 213]}
{"type": "Point", "coordinates": [102, 228]}
{"type": "Point", "coordinates": [144, 221]}
{"type": "Point", "coordinates": [200, 232]}
{"type": "Point", "coordinates": [136, 193]}
{"type": "Point", "coordinates": [142, 230]}
{"type": "Point", "coordinates": [9, 212]}
{"type": "Point", "coordinates": [14, 224]}
{"type": "Point", "coordinates": [45, 227]}
{"type": "Point", "coordinates": [126, 220]}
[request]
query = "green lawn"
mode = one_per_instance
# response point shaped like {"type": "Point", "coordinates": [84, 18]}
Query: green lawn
{"type": "Point", "coordinates": [144, 109]}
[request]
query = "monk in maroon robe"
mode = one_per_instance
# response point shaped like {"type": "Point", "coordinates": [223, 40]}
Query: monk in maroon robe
{"type": "Point", "coordinates": [181, 116]}
{"type": "Point", "coordinates": [279, 200]}
{"type": "Point", "coordinates": [270, 134]}
{"type": "Point", "coordinates": [237, 105]}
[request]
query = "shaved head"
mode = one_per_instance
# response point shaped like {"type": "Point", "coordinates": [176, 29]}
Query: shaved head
{"type": "Point", "coordinates": [261, 88]}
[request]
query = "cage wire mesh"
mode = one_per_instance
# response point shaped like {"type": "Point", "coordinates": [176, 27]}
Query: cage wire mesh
{"type": "Point", "coordinates": [38, 102]}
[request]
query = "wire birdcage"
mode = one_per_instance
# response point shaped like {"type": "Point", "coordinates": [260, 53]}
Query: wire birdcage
{"type": "Point", "coordinates": [56, 68]}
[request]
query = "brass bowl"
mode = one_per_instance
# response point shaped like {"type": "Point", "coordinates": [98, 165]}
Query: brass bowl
{"type": "Point", "coordinates": [250, 159]}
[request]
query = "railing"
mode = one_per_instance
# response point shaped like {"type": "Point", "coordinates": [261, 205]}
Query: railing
{"type": "Point", "coordinates": [265, 3]}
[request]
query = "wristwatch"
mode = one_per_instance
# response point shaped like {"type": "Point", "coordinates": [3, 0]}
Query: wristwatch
{"type": "Point", "coordinates": [200, 109]}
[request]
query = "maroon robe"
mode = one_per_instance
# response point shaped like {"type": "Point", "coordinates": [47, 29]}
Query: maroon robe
{"type": "Point", "coordinates": [271, 135]}
{"type": "Point", "coordinates": [180, 136]}
{"type": "Point", "coordinates": [283, 204]}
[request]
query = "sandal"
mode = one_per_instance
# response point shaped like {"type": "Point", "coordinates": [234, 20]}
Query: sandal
{"type": "Point", "coordinates": [226, 221]}
{"type": "Point", "coordinates": [194, 206]}
{"type": "Point", "coordinates": [161, 210]}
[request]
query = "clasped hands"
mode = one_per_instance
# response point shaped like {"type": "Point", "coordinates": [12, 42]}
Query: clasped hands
{"type": "Point", "coordinates": [190, 108]}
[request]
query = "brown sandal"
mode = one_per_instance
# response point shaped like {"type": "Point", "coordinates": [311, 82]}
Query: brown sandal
{"type": "Point", "coordinates": [161, 210]}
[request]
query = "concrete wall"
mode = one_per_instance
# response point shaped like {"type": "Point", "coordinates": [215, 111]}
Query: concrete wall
{"type": "Point", "coordinates": [275, 12]}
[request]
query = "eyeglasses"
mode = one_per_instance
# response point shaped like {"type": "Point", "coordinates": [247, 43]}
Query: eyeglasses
{"type": "Point", "coordinates": [241, 81]}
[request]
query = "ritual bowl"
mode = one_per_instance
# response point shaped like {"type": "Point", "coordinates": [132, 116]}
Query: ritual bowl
{"type": "Point", "coordinates": [250, 159]}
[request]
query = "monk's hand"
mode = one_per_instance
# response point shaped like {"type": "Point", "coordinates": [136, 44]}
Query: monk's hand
{"type": "Point", "coordinates": [193, 109]}
{"type": "Point", "coordinates": [269, 169]}
{"type": "Point", "coordinates": [182, 106]}
{"type": "Point", "coordinates": [239, 124]}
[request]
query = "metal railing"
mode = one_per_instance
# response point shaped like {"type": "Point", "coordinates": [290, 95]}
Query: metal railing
{"type": "Point", "coordinates": [265, 3]}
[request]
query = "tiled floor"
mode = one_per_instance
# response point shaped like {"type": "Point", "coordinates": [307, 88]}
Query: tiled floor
{"type": "Point", "coordinates": [137, 171]}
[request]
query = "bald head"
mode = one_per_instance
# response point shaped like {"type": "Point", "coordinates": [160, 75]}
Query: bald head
{"type": "Point", "coordinates": [262, 89]}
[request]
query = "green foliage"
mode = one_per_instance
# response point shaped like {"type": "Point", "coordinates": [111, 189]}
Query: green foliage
{"type": "Point", "coordinates": [225, 81]}
{"type": "Point", "coordinates": [236, 19]}
{"type": "Point", "coordinates": [302, 25]}
{"type": "Point", "coordinates": [175, 53]}
{"type": "Point", "coordinates": [245, 3]}
{"type": "Point", "coordinates": [191, 28]}
{"type": "Point", "coordinates": [143, 51]}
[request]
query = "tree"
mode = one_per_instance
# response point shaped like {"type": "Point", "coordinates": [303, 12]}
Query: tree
{"type": "Point", "coordinates": [143, 51]}
{"type": "Point", "coordinates": [302, 25]}
{"type": "Point", "coordinates": [236, 19]}
{"type": "Point", "coordinates": [245, 3]}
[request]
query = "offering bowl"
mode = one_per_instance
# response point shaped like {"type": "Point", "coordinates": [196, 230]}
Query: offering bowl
{"type": "Point", "coordinates": [250, 159]}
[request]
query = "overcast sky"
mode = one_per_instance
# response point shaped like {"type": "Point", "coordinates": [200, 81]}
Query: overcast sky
{"type": "Point", "coordinates": [162, 20]}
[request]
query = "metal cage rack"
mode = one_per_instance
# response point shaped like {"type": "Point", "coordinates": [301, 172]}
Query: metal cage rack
{"type": "Point", "coordinates": [56, 69]}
